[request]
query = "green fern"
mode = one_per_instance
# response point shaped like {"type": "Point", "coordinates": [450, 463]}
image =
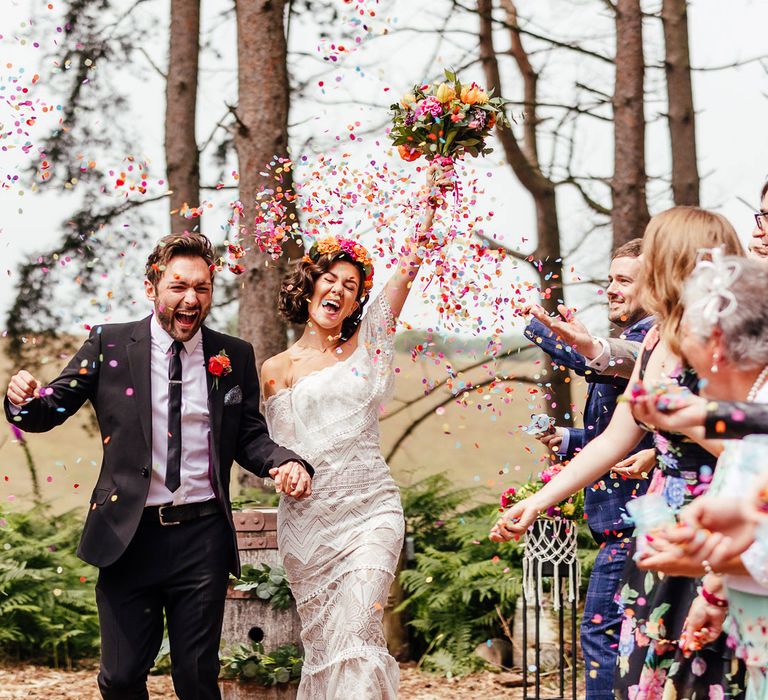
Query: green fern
{"type": "Point", "coordinates": [47, 601]}
{"type": "Point", "coordinates": [461, 580]}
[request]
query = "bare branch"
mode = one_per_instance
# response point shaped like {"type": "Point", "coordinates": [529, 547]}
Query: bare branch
{"type": "Point", "coordinates": [151, 62]}
{"type": "Point", "coordinates": [530, 79]}
{"type": "Point", "coordinates": [728, 66]}
{"type": "Point", "coordinates": [431, 410]}
{"type": "Point", "coordinates": [593, 204]}
{"type": "Point", "coordinates": [541, 37]}
{"type": "Point", "coordinates": [219, 124]}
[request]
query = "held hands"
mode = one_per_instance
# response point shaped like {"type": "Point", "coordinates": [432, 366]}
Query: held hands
{"type": "Point", "coordinates": [292, 479]}
{"type": "Point", "coordinates": [638, 465]}
{"type": "Point", "coordinates": [733, 520]}
{"type": "Point", "coordinates": [22, 388]}
{"type": "Point", "coordinates": [679, 551]}
{"type": "Point", "coordinates": [516, 520]}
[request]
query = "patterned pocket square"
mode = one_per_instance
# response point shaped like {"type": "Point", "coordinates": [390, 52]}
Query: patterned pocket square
{"type": "Point", "coordinates": [233, 397]}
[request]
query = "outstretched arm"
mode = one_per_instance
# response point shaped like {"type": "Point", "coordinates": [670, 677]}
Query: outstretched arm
{"type": "Point", "coordinates": [598, 457]}
{"type": "Point", "coordinates": [399, 286]}
{"type": "Point", "coordinates": [36, 408]}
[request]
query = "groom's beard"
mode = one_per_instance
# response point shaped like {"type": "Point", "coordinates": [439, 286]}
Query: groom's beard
{"type": "Point", "coordinates": [168, 320]}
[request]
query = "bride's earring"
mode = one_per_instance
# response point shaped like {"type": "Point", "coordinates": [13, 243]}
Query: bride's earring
{"type": "Point", "coordinates": [715, 360]}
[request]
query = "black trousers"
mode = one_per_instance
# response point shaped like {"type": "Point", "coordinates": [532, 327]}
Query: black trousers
{"type": "Point", "coordinates": [182, 570]}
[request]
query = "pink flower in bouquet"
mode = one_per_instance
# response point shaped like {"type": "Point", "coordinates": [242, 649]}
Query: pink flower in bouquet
{"type": "Point", "coordinates": [506, 497]}
{"type": "Point", "coordinates": [550, 472]}
{"type": "Point", "coordinates": [430, 105]}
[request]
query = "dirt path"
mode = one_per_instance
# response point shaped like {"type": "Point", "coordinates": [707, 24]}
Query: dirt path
{"type": "Point", "coordinates": [40, 683]}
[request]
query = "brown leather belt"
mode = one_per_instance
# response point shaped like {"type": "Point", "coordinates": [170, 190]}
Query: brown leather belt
{"type": "Point", "coordinates": [182, 513]}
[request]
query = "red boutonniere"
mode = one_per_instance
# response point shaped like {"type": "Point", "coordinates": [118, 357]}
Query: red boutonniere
{"type": "Point", "coordinates": [219, 366]}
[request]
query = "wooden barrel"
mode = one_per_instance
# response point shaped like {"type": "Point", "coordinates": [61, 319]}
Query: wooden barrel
{"type": "Point", "coordinates": [246, 617]}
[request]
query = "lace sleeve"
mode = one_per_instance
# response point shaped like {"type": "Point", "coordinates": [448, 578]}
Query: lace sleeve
{"type": "Point", "coordinates": [377, 332]}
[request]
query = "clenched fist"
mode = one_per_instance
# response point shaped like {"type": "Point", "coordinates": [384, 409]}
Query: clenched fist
{"type": "Point", "coordinates": [22, 388]}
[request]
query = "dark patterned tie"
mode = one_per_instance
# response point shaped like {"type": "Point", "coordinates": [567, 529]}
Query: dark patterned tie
{"type": "Point", "coordinates": [173, 464]}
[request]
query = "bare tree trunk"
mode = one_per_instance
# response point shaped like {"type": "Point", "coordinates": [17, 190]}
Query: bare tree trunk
{"type": "Point", "coordinates": [524, 163]}
{"type": "Point", "coordinates": [181, 153]}
{"type": "Point", "coordinates": [681, 117]}
{"type": "Point", "coordinates": [262, 134]}
{"type": "Point", "coordinates": [629, 215]}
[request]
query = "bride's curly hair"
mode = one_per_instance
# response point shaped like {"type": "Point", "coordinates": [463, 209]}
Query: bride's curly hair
{"type": "Point", "coordinates": [299, 284]}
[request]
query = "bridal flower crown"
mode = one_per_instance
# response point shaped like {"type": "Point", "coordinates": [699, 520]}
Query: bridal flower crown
{"type": "Point", "coordinates": [352, 249]}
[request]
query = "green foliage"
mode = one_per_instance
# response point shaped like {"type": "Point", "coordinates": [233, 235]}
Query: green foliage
{"type": "Point", "coordinates": [428, 504]}
{"type": "Point", "coordinates": [461, 581]}
{"type": "Point", "coordinates": [47, 601]}
{"type": "Point", "coordinates": [250, 663]}
{"type": "Point", "coordinates": [269, 583]}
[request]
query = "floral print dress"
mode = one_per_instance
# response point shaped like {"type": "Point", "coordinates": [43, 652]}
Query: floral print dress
{"type": "Point", "coordinates": [650, 665]}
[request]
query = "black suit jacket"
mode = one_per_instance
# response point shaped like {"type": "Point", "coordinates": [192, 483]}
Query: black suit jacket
{"type": "Point", "coordinates": [112, 371]}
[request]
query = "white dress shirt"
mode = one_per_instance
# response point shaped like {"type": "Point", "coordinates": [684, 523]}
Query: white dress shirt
{"type": "Point", "coordinates": [195, 428]}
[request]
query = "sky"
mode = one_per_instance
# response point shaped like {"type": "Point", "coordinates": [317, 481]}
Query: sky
{"type": "Point", "coordinates": [732, 110]}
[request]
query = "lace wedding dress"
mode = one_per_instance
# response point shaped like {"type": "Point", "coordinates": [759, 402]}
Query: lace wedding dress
{"type": "Point", "coordinates": [341, 545]}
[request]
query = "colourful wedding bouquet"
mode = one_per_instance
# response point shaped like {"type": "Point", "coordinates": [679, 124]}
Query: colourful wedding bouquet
{"type": "Point", "coordinates": [446, 120]}
{"type": "Point", "coordinates": [572, 508]}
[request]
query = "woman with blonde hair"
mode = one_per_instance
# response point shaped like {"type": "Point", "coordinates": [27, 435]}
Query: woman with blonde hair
{"type": "Point", "coordinates": [650, 664]}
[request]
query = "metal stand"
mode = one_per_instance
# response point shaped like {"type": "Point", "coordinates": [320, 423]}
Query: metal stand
{"type": "Point", "coordinates": [565, 570]}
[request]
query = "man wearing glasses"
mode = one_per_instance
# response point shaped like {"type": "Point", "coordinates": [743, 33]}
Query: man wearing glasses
{"type": "Point", "coordinates": [758, 244]}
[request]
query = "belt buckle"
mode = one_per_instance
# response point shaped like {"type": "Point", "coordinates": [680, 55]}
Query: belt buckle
{"type": "Point", "coordinates": [164, 522]}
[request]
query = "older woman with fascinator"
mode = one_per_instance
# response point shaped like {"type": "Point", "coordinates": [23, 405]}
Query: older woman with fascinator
{"type": "Point", "coordinates": [725, 340]}
{"type": "Point", "coordinates": [650, 664]}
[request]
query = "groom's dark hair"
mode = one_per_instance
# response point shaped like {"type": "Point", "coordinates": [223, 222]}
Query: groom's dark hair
{"type": "Point", "coordinates": [191, 245]}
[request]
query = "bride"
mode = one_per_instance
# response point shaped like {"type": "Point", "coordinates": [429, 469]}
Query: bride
{"type": "Point", "coordinates": [323, 395]}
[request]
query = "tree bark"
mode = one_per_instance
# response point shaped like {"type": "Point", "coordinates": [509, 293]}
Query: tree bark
{"type": "Point", "coordinates": [262, 134]}
{"type": "Point", "coordinates": [181, 153]}
{"type": "Point", "coordinates": [681, 117]}
{"type": "Point", "coordinates": [629, 215]}
{"type": "Point", "coordinates": [524, 163]}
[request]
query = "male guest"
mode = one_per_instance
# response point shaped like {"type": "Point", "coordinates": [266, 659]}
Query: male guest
{"type": "Point", "coordinates": [176, 403]}
{"type": "Point", "coordinates": [605, 500]}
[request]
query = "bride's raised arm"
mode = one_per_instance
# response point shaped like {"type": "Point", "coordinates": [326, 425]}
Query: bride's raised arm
{"type": "Point", "coordinates": [439, 181]}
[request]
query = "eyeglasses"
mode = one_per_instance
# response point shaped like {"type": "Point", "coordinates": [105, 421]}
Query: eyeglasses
{"type": "Point", "coordinates": [761, 218]}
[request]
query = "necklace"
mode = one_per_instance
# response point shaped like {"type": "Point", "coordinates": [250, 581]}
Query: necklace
{"type": "Point", "coordinates": [334, 339]}
{"type": "Point", "coordinates": [761, 379]}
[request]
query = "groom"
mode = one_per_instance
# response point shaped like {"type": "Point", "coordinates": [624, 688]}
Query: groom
{"type": "Point", "coordinates": [176, 403]}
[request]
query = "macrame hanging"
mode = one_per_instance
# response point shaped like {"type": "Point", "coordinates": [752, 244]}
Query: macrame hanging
{"type": "Point", "coordinates": [553, 543]}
